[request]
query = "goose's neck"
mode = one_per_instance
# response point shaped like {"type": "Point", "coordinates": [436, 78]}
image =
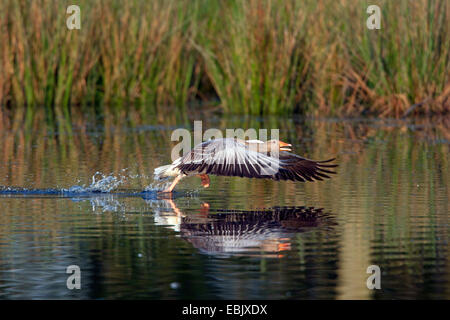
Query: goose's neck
{"type": "Point", "coordinates": [259, 146]}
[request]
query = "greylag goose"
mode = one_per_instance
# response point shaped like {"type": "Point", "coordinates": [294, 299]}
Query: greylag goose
{"type": "Point", "coordinates": [244, 158]}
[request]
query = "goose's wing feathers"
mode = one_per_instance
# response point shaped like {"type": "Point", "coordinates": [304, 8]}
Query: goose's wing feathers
{"type": "Point", "coordinates": [296, 168]}
{"type": "Point", "coordinates": [230, 157]}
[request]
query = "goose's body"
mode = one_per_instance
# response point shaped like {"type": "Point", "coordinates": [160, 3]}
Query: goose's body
{"type": "Point", "coordinates": [240, 158]}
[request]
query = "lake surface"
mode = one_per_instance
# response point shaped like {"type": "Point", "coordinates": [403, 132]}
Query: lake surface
{"type": "Point", "coordinates": [86, 197]}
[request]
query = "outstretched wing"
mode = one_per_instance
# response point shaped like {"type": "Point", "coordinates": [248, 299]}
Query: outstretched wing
{"type": "Point", "coordinates": [230, 157]}
{"type": "Point", "coordinates": [296, 168]}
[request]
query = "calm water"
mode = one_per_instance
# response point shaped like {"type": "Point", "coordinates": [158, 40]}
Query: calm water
{"type": "Point", "coordinates": [88, 198]}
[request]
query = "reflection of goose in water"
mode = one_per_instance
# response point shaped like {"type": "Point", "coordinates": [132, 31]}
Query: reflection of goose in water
{"type": "Point", "coordinates": [231, 232]}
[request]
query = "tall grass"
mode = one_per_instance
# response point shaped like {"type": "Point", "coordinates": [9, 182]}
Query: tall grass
{"type": "Point", "coordinates": [403, 64]}
{"type": "Point", "coordinates": [124, 53]}
{"type": "Point", "coordinates": [256, 56]}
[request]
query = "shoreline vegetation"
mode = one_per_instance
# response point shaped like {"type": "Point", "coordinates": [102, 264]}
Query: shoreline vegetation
{"type": "Point", "coordinates": [248, 57]}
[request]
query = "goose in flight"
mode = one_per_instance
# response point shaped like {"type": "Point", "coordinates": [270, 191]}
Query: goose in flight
{"type": "Point", "coordinates": [244, 158]}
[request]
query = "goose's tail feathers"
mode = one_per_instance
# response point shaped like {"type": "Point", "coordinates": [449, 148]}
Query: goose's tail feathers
{"type": "Point", "coordinates": [165, 172]}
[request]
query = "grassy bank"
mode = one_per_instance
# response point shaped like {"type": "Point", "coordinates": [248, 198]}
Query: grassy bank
{"type": "Point", "coordinates": [254, 57]}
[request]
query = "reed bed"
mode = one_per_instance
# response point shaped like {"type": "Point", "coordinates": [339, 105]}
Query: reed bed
{"type": "Point", "coordinates": [253, 57]}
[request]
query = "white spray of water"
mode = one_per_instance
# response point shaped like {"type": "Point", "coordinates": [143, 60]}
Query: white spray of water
{"type": "Point", "coordinates": [100, 183]}
{"type": "Point", "coordinates": [109, 204]}
{"type": "Point", "coordinates": [158, 186]}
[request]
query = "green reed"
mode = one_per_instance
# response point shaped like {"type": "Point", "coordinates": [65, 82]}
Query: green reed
{"type": "Point", "coordinates": [124, 53]}
{"type": "Point", "coordinates": [404, 63]}
{"type": "Point", "coordinates": [257, 57]}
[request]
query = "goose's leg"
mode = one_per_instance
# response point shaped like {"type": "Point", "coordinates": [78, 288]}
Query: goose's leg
{"type": "Point", "coordinates": [177, 179]}
{"type": "Point", "coordinates": [205, 180]}
{"type": "Point", "coordinates": [204, 210]}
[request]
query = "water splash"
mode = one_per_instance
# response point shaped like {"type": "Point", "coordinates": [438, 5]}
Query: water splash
{"type": "Point", "coordinates": [157, 186]}
{"type": "Point", "coordinates": [100, 183]}
{"type": "Point", "coordinates": [109, 204]}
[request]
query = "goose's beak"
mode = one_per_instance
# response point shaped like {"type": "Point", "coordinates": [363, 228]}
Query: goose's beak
{"type": "Point", "coordinates": [285, 146]}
